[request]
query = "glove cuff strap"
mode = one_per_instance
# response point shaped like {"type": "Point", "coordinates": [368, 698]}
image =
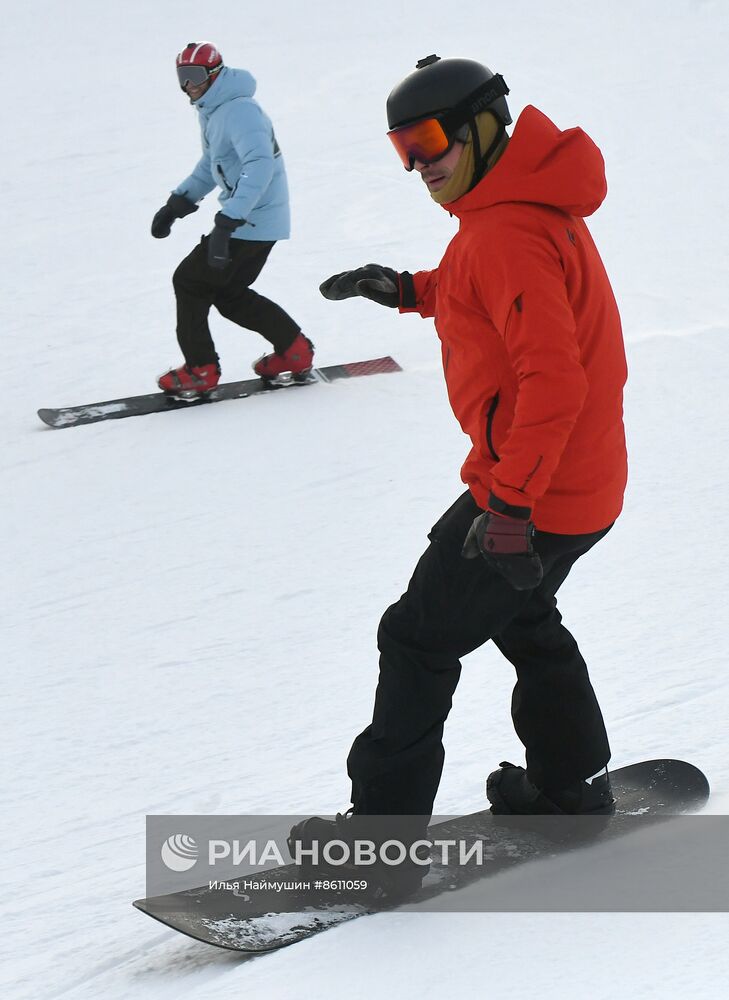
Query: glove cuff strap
{"type": "Point", "coordinates": [225, 222]}
{"type": "Point", "coordinates": [407, 290]}
{"type": "Point", "coordinates": [181, 205]}
{"type": "Point", "coordinates": [499, 506]}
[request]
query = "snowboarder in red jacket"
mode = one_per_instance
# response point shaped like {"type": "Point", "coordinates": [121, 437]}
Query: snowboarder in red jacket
{"type": "Point", "coordinates": [534, 363]}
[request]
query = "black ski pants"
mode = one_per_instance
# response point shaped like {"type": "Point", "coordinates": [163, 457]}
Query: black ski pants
{"type": "Point", "coordinates": [451, 607]}
{"type": "Point", "coordinates": [199, 286]}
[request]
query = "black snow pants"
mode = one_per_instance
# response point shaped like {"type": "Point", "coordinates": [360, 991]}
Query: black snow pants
{"type": "Point", "coordinates": [452, 606]}
{"type": "Point", "coordinates": [198, 287]}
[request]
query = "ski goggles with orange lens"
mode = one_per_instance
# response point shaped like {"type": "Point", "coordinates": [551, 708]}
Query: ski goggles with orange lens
{"type": "Point", "coordinates": [425, 141]}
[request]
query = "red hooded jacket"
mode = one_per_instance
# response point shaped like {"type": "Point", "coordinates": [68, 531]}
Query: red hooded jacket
{"type": "Point", "coordinates": [531, 339]}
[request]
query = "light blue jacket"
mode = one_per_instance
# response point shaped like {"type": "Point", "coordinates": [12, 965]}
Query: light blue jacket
{"type": "Point", "coordinates": [242, 158]}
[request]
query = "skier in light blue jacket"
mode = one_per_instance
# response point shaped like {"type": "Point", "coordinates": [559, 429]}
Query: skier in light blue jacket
{"type": "Point", "coordinates": [242, 158]}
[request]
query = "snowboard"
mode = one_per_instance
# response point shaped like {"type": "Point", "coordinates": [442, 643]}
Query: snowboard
{"type": "Point", "coordinates": [231, 919]}
{"type": "Point", "coordinates": [161, 402]}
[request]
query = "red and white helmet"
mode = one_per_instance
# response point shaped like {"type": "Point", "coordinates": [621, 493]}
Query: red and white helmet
{"type": "Point", "coordinates": [198, 62]}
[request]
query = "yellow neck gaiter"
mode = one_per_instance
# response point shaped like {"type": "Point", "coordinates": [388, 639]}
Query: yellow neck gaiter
{"type": "Point", "coordinates": [459, 183]}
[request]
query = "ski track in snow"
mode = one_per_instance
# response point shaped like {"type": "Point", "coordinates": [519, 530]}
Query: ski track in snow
{"type": "Point", "coordinates": [189, 624]}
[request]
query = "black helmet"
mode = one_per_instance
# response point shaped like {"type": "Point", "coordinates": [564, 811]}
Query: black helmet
{"type": "Point", "coordinates": [460, 86]}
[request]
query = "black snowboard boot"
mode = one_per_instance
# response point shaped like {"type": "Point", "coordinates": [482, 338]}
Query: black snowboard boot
{"type": "Point", "coordinates": [510, 792]}
{"type": "Point", "coordinates": [388, 883]}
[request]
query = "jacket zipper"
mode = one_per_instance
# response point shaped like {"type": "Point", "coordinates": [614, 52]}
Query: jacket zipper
{"type": "Point", "coordinates": [490, 426]}
{"type": "Point", "coordinates": [228, 188]}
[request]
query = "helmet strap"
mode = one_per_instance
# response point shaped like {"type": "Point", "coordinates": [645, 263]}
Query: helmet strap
{"type": "Point", "coordinates": [482, 160]}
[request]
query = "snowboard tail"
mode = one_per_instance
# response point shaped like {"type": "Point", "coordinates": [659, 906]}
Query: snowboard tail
{"type": "Point", "coordinates": [161, 402]}
{"type": "Point", "coordinates": [218, 916]}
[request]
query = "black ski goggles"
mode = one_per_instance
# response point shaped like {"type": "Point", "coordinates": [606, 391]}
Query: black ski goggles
{"type": "Point", "coordinates": [429, 139]}
{"type": "Point", "coordinates": [194, 75]}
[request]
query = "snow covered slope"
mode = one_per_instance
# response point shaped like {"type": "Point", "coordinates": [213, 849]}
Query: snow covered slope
{"type": "Point", "coordinates": [190, 600]}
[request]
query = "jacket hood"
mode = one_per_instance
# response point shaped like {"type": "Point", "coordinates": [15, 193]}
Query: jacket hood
{"type": "Point", "coordinates": [231, 83]}
{"type": "Point", "coordinates": [542, 165]}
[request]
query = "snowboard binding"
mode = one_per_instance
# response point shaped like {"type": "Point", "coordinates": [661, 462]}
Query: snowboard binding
{"type": "Point", "coordinates": [285, 379]}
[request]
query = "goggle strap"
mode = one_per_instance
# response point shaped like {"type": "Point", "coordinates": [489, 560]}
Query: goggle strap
{"type": "Point", "coordinates": [491, 90]}
{"type": "Point", "coordinates": [480, 100]}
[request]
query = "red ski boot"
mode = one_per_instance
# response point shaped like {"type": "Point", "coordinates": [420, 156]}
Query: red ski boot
{"type": "Point", "coordinates": [188, 381]}
{"type": "Point", "coordinates": [296, 361]}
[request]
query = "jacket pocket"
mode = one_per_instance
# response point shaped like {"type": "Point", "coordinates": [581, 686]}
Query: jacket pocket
{"type": "Point", "coordinates": [490, 427]}
{"type": "Point", "coordinates": [452, 527]}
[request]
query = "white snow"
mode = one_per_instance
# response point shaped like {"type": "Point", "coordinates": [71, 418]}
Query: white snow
{"type": "Point", "coordinates": [190, 600]}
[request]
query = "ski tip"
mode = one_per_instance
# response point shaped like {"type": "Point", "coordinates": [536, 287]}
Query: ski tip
{"type": "Point", "coordinates": [685, 772]}
{"type": "Point", "coordinates": [674, 766]}
{"type": "Point", "coordinates": [678, 779]}
{"type": "Point", "coordinates": [376, 366]}
{"type": "Point", "coordinates": [48, 417]}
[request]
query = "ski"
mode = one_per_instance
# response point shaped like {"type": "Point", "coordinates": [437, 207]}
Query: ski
{"type": "Point", "coordinates": [227, 919]}
{"type": "Point", "coordinates": [160, 402]}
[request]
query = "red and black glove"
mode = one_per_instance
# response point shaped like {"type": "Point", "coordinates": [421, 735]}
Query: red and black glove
{"type": "Point", "coordinates": [503, 535]}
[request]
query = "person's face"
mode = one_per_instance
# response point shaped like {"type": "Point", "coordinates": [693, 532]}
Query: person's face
{"type": "Point", "coordinates": [195, 93]}
{"type": "Point", "coordinates": [436, 175]}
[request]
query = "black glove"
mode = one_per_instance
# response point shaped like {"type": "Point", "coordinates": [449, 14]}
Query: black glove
{"type": "Point", "coordinates": [177, 207]}
{"type": "Point", "coordinates": [219, 240]}
{"type": "Point", "coordinates": [381, 284]}
{"type": "Point", "coordinates": [505, 540]}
